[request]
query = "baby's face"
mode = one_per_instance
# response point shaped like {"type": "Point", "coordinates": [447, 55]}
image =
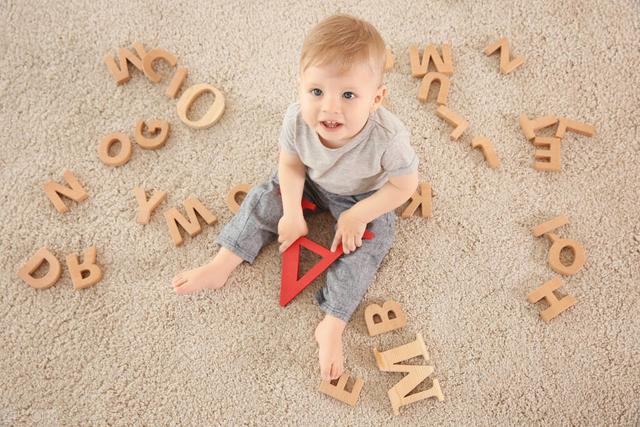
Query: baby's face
{"type": "Point", "coordinates": [337, 106]}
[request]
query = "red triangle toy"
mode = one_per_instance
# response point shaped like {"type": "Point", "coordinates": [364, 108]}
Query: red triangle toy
{"type": "Point", "coordinates": [290, 285]}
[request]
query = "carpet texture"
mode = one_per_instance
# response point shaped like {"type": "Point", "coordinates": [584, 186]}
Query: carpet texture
{"type": "Point", "coordinates": [128, 351]}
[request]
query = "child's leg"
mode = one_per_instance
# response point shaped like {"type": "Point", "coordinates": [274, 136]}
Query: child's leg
{"type": "Point", "coordinates": [349, 277]}
{"type": "Point", "coordinates": [253, 226]}
{"type": "Point", "coordinates": [256, 223]}
{"type": "Point", "coordinates": [347, 281]}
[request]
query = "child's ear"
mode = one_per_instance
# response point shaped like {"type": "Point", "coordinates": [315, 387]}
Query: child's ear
{"type": "Point", "coordinates": [381, 93]}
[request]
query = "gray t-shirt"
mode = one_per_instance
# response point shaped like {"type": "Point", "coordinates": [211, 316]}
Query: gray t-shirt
{"type": "Point", "coordinates": [381, 149]}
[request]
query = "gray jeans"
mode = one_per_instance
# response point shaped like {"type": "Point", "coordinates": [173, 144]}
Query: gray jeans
{"type": "Point", "coordinates": [347, 280]}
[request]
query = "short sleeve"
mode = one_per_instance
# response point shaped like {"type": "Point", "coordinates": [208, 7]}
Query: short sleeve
{"type": "Point", "coordinates": [399, 158]}
{"type": "Point", "coordinates": [287, 132]}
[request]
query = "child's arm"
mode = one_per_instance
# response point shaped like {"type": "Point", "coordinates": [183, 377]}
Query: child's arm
{"type": "Point", "coordinates": [353, 222]}
{"type": "Point", "coordinates": [391, 195]}
{"type": "Point", "coordinates": [291, 174]}
{"type": "Point", "coordinates": [292, 225]}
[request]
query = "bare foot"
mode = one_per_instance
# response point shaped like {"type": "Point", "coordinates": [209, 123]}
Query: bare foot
{"type": "Point", "coordinates": [329, 337]}
{"type": "Point", "coordinates": [212, 275]}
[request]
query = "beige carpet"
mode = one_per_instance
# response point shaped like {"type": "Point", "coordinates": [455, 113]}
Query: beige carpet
{"type": "Point", "coordinates": [129, 351]}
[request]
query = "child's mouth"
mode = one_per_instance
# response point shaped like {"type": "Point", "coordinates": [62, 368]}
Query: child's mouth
{"type": "Point", "coordinates": [331, 126]}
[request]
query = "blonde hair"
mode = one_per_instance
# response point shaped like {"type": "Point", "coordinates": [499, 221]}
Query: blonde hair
{"type": "Point", "coordinates": [343, 40]}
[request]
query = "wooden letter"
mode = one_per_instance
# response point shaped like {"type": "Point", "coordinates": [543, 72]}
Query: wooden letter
{"type": "Point", "coordinates": [388, 361]}
{"type": "Point", "coordinates": [574, 126]}
{"type": "Point", "coordinates": [89, 265]}
{"type": "Point", "coordinates": [579, 255]}
{"type": "Point", "coordinates": [487, 150]}
{"type": "Point", "coordinates": [558, 244]}
{"type": "Point", "coordinates": [556, 306]}
{"type": "Point", "coordinates": [192, 226]}
{"type": "Point", "coordinates": [49, 279]}
{"type": "Point", "coordinates": [211, 116]}
{"type": "Point", "coordinates": [121, 75]}
{"type": "Point", "coordinates": [549, 226]}
{"type": "Point", "coordinates": [385, 324]}
{"type": "Point", "coordinates": [419, 198]}
{"type": "Point", "coordinates": [529, 126]}
{"type": "Point", "coordinates": [231, 197]}
{"type": "Point", "coordinates": [388, 64]}
{"type": "Point", "coordinates": [176, 82]}
{"type": "Point", "coordinates": [160, 126]}
{"type": "Point", "coordinates": [506, 66]}
{"type": "Point", "coordinates": [125, 150]}
{"type": "Point", "coordinates": [552, 154]}
{"type": "Point", "coordinates": [339, 391]}
{"type": "Point", "coordinates": [443, 92]}
{"type": "Point", "coordinates": [153, 54]}
{"type": "Point", "coordinates": [443, 64]}
{"type": "Point", "coordinates": [146, 207]}
{"type": "Point", "coordinates": [453, 119]}
{"type": "Point", "coordinates": [399, 393]}
{"type": "Point", "coordinates": [74, 191]}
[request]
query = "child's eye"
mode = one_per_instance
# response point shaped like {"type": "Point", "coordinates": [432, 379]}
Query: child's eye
{"type": "Point", "coordinates": [351, 95]}
{"type": "Point", "coordinates": [316, 92]}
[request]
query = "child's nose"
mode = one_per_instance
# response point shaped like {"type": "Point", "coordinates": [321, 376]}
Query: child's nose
{"type": "Point", "coordinates": [331, 104]}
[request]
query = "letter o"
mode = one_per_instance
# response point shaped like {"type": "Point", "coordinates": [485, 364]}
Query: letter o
{"type": "Point", "coordinates": [125, 151]}
{"type": "Point", "coordinates": [211, 116]}
{"type": "Point", "coordinates": [579, 256]}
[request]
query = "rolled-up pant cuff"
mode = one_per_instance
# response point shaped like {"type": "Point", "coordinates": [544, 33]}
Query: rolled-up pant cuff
{"type": "Point", "coordinates": [236, 250]}
{"type": "Point", "coordinates": [327, 308]}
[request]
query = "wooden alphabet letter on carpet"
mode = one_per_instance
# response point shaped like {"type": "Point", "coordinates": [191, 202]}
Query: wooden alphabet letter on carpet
{"type": "Point", "coordinates": [339, 391]}
{"type": "Point", "coordinates": [423, 197]}
{"type": "Point", "coordinates": [74, 191]}
{"type": "Point", "coordinates": [211, 116]}
{"type": "Point", "coordinates": [386, 323]}
{"type": "Point", "coordinates": [443, 64]}
{"type": "Point", "coordinates": [146, 207]}
{"type": "Point", "coordinates": [192, 226]}
{"type": "Point", "coordinates": [556, 306]}
{"type": "Point", "coordinates": [121, 74]}
{"type": "Point", "coordinates": [76, 268]}
{"type": "Point", "coordinates": [43, 254]}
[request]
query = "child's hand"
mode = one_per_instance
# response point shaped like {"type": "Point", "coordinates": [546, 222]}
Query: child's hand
{"type": "Point", "coordinates": [290, 228]}
{"type": "Point", "coordinates": [349, 231]}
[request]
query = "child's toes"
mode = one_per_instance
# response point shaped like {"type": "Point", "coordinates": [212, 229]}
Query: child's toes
{"type": "Point", "coordinates": [339, 369]}
{"type": "Point", "coordinates": [183, 288]}
{"type": "Point", "coordinates": [325, 372]}
{"type": "Point", "coordinates": [334, 371]}
{"type": "Point", "coordinates": [178, 280]}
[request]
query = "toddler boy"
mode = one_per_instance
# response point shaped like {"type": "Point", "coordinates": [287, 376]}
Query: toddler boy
{"type": "Point", "coordinates": [342, 150]}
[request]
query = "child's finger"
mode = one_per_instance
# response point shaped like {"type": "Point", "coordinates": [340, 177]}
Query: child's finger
{"type": "Point", "coordinates": [352, 243]}
{"type": "Point", "coordinates": [336, 240]}
{"type": "Point", "coordinates": [284, 246]}
{"type": "Point", "coordinates": [345, 244]}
